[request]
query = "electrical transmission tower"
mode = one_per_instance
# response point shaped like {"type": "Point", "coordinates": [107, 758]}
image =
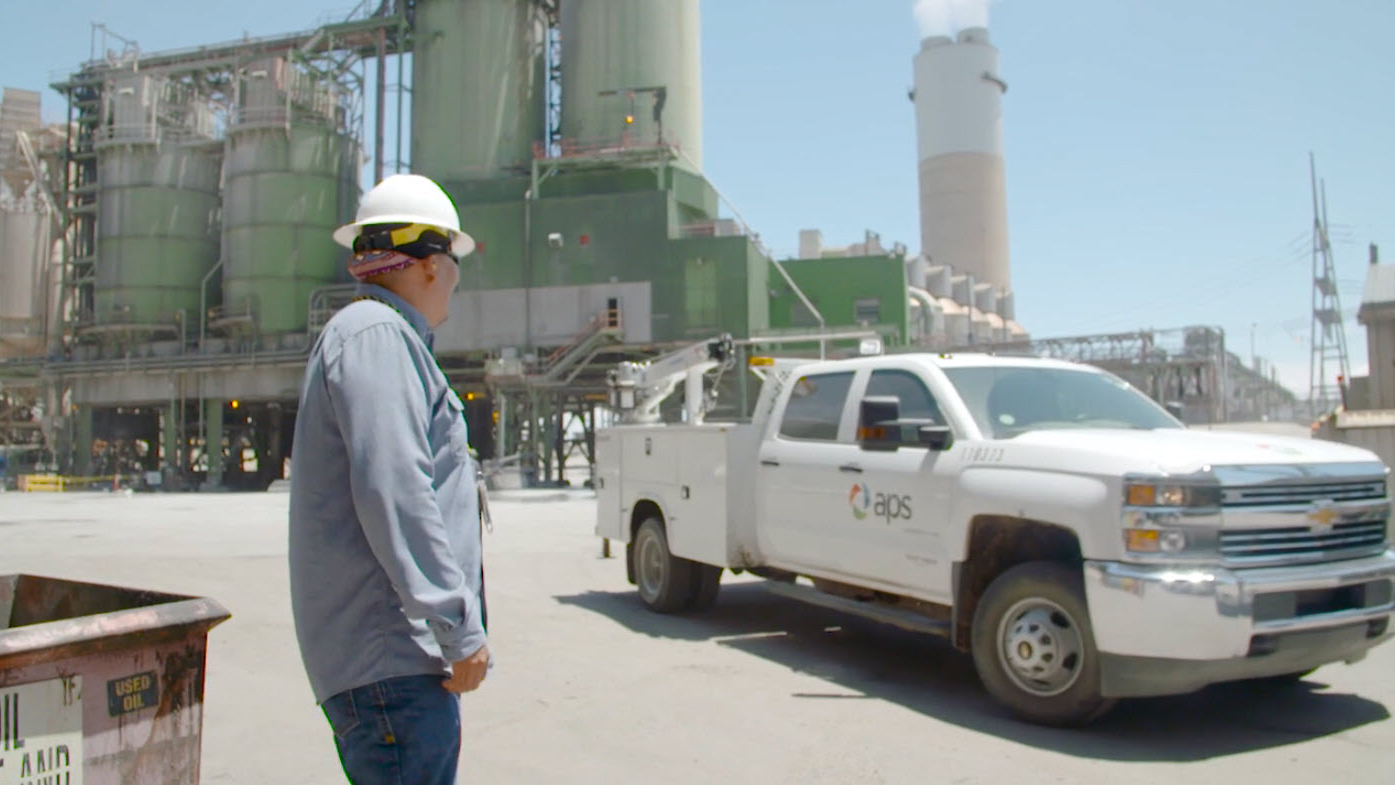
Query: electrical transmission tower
{"type": "Point", "coordinates": [1327, 364]}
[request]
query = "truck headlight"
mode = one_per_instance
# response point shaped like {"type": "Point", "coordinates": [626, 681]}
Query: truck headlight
{"type": "Point", "coordinates": [1172, 518]}
{"type": "Point", "coordinates": [1165, 494]}
{"type": "Point", "coordinates": [1155, 540]}
{"type": "Point", "coordinates": [1187, 541]}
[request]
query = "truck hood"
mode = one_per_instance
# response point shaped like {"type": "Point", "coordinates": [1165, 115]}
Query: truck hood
{"type": "Point", "coordinates": [1181, 451]}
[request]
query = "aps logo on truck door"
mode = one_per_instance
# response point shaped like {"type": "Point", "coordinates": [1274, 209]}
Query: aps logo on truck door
{"type": "Point", "coordinates": [887, 506]}
{"type": "Point", "coordinates": [860, 499]}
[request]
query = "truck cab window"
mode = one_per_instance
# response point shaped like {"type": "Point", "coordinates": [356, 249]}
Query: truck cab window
{"type": "Point", "coordinates": [916, 401]}
{"type": "Point", "coordinates": [816, 406]}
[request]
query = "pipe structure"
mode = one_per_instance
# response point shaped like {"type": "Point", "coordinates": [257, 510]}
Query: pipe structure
{"type": "Point", "coordinates": [203, 302]}
{"type": "Point", "coordinates": [927, 309]}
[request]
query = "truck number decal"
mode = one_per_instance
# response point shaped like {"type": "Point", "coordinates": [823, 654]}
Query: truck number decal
{"type": "Point", "coordinates": [986, 455]}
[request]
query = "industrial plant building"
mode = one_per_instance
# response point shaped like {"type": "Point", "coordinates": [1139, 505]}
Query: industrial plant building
{"type": "Point", "coordinates": [167, 260]}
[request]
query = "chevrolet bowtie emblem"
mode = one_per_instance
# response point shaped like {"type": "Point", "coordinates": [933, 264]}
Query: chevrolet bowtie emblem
{"type": "Point", "coordinates": [1322, 515]}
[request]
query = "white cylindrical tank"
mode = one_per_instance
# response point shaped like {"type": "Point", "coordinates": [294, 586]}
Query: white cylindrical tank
{"type": "Point", "coordinates": [23, 265]}
{"type": "Point", "coordinates": [956, 323]}
{"type": "Point", "coordinates": [963, 196]}
{"type": "Point", "coordinates": [939, 280]}
{"type": "Point", "coordinates": [986, 298]}
{"type": "Point", "coordinates": [917, 267]}
{"type": "Point", "coordinates": [997, 328]}
{"type": "Point", "coordinates": [635, 59]}
{"type": "Point", "coordinates": [1007, 307]}
{"type": "Point", "coordinates": [980, 329]}
{"type": "Point", "coordinates": [962, 289]}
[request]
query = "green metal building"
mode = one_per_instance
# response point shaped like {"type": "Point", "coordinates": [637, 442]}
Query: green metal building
{"type": "Point", "coordinates": [848, 291]}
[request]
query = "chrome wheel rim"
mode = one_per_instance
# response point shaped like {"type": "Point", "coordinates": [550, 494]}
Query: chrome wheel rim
{"type": "Point", "coordinates": [652, 566]}
{"type": "Point", "coordinates": [1040, 646]}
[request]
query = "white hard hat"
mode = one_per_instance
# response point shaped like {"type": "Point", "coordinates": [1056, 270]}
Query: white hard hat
{"type": "Point", "coordinates": [407, 198]}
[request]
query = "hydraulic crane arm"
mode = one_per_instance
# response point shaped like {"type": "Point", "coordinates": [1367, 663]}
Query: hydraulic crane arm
{"type": "Point", "coordinates": [637, 389]}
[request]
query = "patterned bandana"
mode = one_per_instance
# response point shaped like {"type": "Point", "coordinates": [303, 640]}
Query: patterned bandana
{"type": "Point", "coordinates": [367, 264]}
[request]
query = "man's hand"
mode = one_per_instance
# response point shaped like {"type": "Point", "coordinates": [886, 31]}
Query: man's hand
{"type": "Point", "coordinates": [467, 674]}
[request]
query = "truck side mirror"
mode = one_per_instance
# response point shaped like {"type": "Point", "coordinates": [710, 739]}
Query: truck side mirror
{"type": "Point", "coordinates": [937, 437]}
{"type": "Point", "coordinates": [877, 424]}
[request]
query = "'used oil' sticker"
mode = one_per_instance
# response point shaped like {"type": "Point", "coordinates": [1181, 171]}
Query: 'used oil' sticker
{"type": "Point", "coordinates": [41, 732]}
{"type": "Point", "coordinates": [132, 693]}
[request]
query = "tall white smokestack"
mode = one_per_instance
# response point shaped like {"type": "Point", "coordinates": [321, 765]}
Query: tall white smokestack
{"type": "Point", "coordinates": [959, 124]}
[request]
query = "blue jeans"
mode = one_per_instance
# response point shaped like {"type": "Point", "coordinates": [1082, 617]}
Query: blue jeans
{"type": "Point", "coordinates": [399, 731]}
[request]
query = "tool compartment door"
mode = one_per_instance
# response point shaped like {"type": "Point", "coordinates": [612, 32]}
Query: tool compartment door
{"type": "Point", "coordinates": [610, 519]}
{"type": "Point", "coordinates": [697, 524]}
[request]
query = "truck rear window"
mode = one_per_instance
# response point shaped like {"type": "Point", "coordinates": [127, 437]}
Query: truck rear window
{"type": "Point", "coordinates": [816, 406]}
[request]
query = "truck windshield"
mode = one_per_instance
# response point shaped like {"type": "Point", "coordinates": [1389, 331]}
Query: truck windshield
{"type": "Point", "coordinates": [1007, 401]}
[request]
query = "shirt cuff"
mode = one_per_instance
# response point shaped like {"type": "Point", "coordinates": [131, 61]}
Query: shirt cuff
{"type": "Point", "coordinates": [459, 642]}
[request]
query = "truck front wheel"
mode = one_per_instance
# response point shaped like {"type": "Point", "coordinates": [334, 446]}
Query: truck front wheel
{"type": "Point", "coordinates": [665, 581]}
{"type": "Point", "coordinates": [1034, 648]}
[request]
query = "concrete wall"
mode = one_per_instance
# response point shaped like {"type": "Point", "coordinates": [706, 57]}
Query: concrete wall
{"type": "Point", "coordinates": [1380, 349]}
{"type": "Point", "coordinates": [155, 388]}
{"type": "Point", "coordinates": [1373, 430]}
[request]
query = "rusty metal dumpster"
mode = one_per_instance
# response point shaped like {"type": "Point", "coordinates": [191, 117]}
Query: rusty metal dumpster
{"type": "Point", "coordinates": [100, 685]}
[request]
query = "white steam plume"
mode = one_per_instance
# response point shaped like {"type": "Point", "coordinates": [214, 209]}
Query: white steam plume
{"type": "Point", "coordinates": [946, 17]}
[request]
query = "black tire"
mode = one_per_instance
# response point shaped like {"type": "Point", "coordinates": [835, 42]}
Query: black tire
{"type": "Point", "coordinates": [665, 582]}
{"type": "Point", "coordinates": [707, 580]}
{"type": "Point", "coordinates": [1037, 611]}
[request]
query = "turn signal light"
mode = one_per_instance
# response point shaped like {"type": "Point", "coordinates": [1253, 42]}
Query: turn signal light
{"type": "Point", "coordinates": [1142, 540]}
{"type": "Point", "coordinates": [1142, 495]}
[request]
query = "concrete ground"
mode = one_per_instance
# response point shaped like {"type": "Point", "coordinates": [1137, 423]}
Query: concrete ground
{"type": "Point", "coordinates": [591, 688]}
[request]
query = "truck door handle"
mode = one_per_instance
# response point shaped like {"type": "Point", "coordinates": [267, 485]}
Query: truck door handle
{"type": "Point", "coordinates": [768, 462]}
{"type": "Point", "coordinates": [850, 467]}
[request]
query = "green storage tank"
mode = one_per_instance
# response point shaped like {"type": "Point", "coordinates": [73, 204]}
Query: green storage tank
{"type": "Point", "coordinates": [615, 56]}
{"type": "Point", "coordinates": [478, 86]}
{"type": "Point", "coordinates": [157, 211]}
{"type": "Point", "coordinates": [288, 182]}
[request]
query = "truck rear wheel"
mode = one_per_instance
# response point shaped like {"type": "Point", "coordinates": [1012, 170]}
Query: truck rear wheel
{"type": "Point", "coordinates": [665, 581]}
{"type": "Point", "coordinates": [1034, 648]}
{"type": "Point", "coordinates": [707, 580]}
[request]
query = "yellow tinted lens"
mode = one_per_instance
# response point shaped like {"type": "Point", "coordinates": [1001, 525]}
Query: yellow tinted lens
{"type": "Point", "coordinates": [1142, 495]}
{"type": "Point", "coordinates": [1142, 540]}
{"type": "Point", "coordinates": [408, 234]}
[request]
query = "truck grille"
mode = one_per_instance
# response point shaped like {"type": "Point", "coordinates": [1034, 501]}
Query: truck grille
{"type": "Point", "coordinates": [1272, 495]}
{"type": "Point", "coordinates": [1301, 543]}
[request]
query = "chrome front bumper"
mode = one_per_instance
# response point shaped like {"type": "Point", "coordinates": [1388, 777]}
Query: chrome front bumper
{"type": "Point", "coordinates": [1164, 630]}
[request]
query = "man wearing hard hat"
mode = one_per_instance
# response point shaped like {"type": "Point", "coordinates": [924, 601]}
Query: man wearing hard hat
{"type": "Point", "coordinates": [385, 552]}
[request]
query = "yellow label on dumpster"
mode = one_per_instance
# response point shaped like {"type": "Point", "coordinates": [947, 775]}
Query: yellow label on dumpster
{"type": "Point", "coordinates": [41, 732]}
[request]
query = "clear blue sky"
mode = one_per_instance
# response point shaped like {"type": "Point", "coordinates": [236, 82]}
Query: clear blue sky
{"type": "Point", "coordinates": [1156, 150]}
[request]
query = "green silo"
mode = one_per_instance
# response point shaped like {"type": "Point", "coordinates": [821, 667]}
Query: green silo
{"type": "Point", "coordinates": [288, 181]}
{"type": "Point", "coordinates": [631, 74]}
{"type": "Point", "coordinates": [157, 210]}
{"type": "Point", "coordinates": [478, 85]}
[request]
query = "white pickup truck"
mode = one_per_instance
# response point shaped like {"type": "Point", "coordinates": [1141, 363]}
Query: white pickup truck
{"type": "Point", "coordinates": [1044, 516]}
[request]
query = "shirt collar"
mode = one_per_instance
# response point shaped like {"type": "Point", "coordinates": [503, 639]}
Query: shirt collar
{"type": "Point", "coordinates": [408, 312]}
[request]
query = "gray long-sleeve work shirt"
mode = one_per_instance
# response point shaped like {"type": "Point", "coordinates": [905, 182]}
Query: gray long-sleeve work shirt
{"type": "Point", "coordinates": [384, 513]}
